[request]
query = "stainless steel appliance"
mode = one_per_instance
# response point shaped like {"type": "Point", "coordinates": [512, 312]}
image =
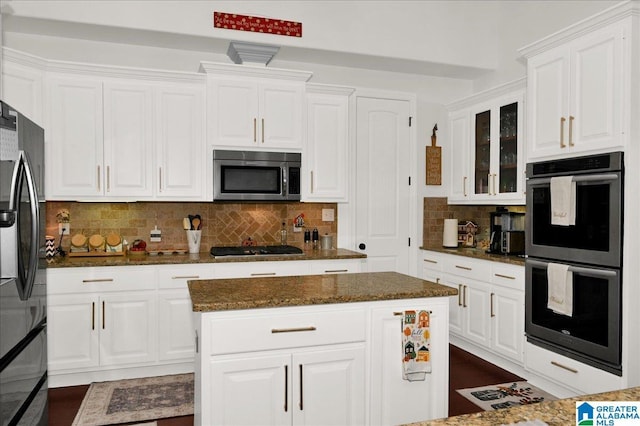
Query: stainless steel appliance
{"type": "Point", "coordinates": [507, 232]}
{"type": "Point", "coordinates": [256, 176]}
{"type": "Point", "coordinates": [592, 250]}
{"type": "Point", "coordinates": [255, 251]}
{"type": "Point", "coordinates": [23, 340]}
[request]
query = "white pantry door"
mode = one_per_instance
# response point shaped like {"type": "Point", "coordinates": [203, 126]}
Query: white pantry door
{"type": "Point", "coordinates": [382, 184]}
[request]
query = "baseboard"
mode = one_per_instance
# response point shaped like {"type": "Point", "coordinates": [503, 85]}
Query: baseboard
{"type": "Point", "coordinates": [57, 380]}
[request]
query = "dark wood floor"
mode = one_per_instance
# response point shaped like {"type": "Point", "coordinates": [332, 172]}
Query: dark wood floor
{"type": "Point", "coordinates": [466, 371]}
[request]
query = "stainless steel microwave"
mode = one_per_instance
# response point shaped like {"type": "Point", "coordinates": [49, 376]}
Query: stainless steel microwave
{"type": "Point", "coordinates": [256, 176]}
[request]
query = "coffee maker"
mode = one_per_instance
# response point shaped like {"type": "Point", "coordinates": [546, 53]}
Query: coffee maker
{"type": "Point", "coordinates": [506, 232]}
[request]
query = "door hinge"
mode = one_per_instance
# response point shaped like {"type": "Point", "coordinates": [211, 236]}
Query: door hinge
{"type": "Point", "coordinates": [409, 241]}
{"type": "Point", "coordinates": [410, 121]}
{"type": "Point", "coordinates": [409, 180]}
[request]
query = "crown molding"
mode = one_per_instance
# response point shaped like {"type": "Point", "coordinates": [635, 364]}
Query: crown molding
{"type": "Point", "coordinates": [215, 68]}
{"type": "Point", "coordinates": [487, 95]}
{"type": "Point", "coordinates": [329, 89]}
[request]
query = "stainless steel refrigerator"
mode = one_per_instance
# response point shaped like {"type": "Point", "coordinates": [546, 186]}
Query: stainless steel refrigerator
{"type": "Point", "coordinates": [23, 315]}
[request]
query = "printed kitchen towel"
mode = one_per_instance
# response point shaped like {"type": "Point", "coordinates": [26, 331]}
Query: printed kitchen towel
{"type": "Point", "coordinates": [563, 201]}
{"type": "Point", "coordinates": [560, 289]}
{"type": "Point", "coordinates": [416, 345]}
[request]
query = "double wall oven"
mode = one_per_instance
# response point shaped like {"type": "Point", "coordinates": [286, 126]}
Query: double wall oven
{"type": "Point", "coordinates": [592, 250]}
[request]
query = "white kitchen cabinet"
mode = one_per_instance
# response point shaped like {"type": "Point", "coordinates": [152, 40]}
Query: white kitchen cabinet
{"type": "Point", "coordinates": [76, 138]}
{"type": "Point", "coordinates": [398, 401]}
{"type": "Point", "coordinates": [296, 365]}
{"type": "Point", "coordinates": [23, 84]}
{"type": "Point", "coordinates": [489, 310]}
{"type": "Point", "coordinates": [176, 338]}
{"type": "Point", "coordinates": [125, 139]}
{"type": "Point", "coordinates": [335, 266]}
{"type": "Point", "coordinates": [255, 108]}
{"type": "Point", "coordinates": [327, 151]}
{"type": "Point", "coordinates": [261, 269]}
{"type": "Point", "coordinates": [576, 93]}
{"type": "Point", "coordinates": [487, 160]}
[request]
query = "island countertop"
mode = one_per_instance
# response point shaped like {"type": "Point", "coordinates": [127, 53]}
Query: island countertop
{"type": "Point", "coordinates": [554, 413]}
{"type": "Point", "coordinates": [271, 292]}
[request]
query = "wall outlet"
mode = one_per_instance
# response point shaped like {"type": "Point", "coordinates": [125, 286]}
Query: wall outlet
{"type": "Point", "coordinates": [328, 215]}
{"type": "Point", "coordinates": [64, 228]}
{"type": "Point", "coordinates": [156, 235]}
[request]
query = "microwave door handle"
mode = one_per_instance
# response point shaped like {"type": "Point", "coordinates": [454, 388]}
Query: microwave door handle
{"type": "Point", "coordinates": [284, 181]}
{"type": "Point", "coordinates": [25, 283]}
{"type": "Point", "coordinates": [587, 178]}
{"type": "Point", "coordinates": [578, 269]}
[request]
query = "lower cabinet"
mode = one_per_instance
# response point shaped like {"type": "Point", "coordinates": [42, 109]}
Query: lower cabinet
{"type": "Point", "coordinates": [325, 365]}
{"type": "Point", "coordinates": [322, 387]}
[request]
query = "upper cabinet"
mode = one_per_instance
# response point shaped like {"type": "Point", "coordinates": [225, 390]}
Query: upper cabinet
{"type": "Point", "coordinates": [327, 153]}
{"type": "Point", "coordinates": [125, 139]}
{"type": "Point", "coordinates": [255, 108]}
{"type": "Point", "coordinates": [23, 84]}
{"type": "Point", "coordinates": [487, 147]}
{"type": "Point", "coordinates": [577, 88]}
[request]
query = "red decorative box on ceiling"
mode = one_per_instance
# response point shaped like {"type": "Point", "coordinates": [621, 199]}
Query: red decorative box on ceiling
{"type": "Point", "coordinates": [256, 24]}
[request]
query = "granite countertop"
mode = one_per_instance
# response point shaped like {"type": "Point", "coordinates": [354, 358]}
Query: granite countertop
{"type": "Point", "coordinates": [202, 257]}
{"type": "Point", "coordinates": [478, 254]}
{"type": "Point", "coordinates": [271, 292]}
{"type": "Point", "coordinates": [555, 413]}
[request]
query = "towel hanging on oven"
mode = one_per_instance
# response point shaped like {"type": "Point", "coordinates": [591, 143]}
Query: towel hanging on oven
{"type": "Point", "coordinates": [416, 345]}
{"type": "Point", "coordinates": [560, 289]}
{"type": "Point", "coordinates": [563, 200]}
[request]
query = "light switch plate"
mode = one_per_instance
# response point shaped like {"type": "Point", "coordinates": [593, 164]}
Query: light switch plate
{"type": "Point", "coordinates": [328, 215]}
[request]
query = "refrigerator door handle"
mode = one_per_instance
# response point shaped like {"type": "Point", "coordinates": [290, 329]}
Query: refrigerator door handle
{"type": "Point", "coordinates": [26, 280]}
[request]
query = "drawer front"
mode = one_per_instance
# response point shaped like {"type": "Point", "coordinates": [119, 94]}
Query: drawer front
{"type": "Point", "coordinates": [100, 279]}
{"type": "Point", "coordinates": [264, 331]}
{"type": "Point", "coordinates": [468, 268]}
{"type": "Point", "coordinates": [510, 276]}
{"type": "Point", "coordinates": [176, 276]}
{"type": "Point", "coordinates": [340, 266]}
{"type": "Point", "coordinates": [260, 269]}
{"type": "Point", "coordinates": [432, 261]}
{"type": "Point", "coordinates": [569, 372]}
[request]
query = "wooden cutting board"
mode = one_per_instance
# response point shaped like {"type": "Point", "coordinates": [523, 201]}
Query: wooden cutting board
{"type": "Point", "coordinates": [433, 166]}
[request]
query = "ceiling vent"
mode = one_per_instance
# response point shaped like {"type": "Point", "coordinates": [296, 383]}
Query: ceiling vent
{"type": "Point", "coordinates": [251, 54]}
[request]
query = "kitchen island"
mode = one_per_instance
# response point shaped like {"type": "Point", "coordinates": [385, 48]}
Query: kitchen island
{"type": "Point", "coordinates": [322, 349]}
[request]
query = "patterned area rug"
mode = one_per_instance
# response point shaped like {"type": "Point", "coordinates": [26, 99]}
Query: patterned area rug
{"type": "Point", "coordinates": [505, 395]}
{"type": "Point", "coordinates": [135, 400]}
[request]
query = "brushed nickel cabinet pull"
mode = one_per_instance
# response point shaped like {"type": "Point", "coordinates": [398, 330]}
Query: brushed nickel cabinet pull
{"type": "Point", "coordinates": [571, 118]}
{"type": "Point", "coordinates": [328, 271]}
{"type": "Point", "coordinates": [492, 313]}
{"type": "Point", "coordinates": [301, 388]}
{"type": "Point", "coordinates": [466, 268]}
{"type": "Point", "coordinates": [459, 294]}
{"type": "Point", "coordinates": [489, 183]}
{"type": "Point", "coordinates": [160, 178]}
{"type": "Point", "coordinates": [262, 130]}
{"type": "Point", "coordinates": [185, 277]}
{"type": "Point", "coordinates": [557, 364]}
{"type": "Point", "coordinates": [108, 179]}
{"type": "Point", "coordinates": [99, 179]}
{"type": "Point", "coordinates": [505, 276]}
{"type": "Point", "coordinates": [254, 130]}
{"type": "Point", "coordinates": [312, 181]}
{"type": "Point", "coordinates": [103, 315]}
{"type": "Point", "coordinates": [262, 274]}
{"type": "Point", "coordinates": [98, 280]}
{"type": "Point", "coordinates": [93, 315]}
{"type": "Point", "coordinates": [286, 388]}
{"type": "Point", "coordinates": [430, 261]}
{"type": "Point", "coordinates": [292, 330]}
{"type": "Point", "coordinates": [464, 186]}
{"type": "Point", "coordinates": [464, 297]}
{"type": "Point", "coordinates": [562, 144]}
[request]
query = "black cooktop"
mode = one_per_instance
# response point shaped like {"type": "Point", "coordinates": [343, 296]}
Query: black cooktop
{"type": "Point", "coordinates": [255, 251]}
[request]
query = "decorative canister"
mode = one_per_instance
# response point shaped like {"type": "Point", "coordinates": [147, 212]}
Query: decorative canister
{"type": "Point", "coordinates": [50, 246]}
{"type": "Point", "coordinates": [326, 242]}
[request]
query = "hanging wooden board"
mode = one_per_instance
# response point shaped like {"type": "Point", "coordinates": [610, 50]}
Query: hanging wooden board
{"type": "Point", "coordinates": [433, 164]}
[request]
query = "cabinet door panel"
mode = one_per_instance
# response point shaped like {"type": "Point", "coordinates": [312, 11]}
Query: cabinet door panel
{"type": "Point", "coordinates": [460, 167]}
{"type": "Point", "coordinates": [128, 137]}
{"type": "Point", "coordinates": [181, 148]}
{"type": "Point", "coordinates": [176, 336]}
{"type": "Point", "coordinates": [508, 322]}
{"type": "Point", "coordinates": [280, 119]}
{"type": "Point", "coordinates": [234, 107]}
{"type": "Point", "coordinates": [250, 391]}
{"type": "Point", "coordinates": [73, 332]}
{"type": "Point", "coordinates": [476, 302]}
{"type": "Point", "coordinates": [329, 387]}
{"type": "Point", "coordinates": [127, 328]}
{"type": "Point", "coordinates": [76, 138]}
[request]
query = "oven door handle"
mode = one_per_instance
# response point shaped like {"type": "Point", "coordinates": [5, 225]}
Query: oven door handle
{"type": "Point", "coordinates": [586, 178]}
{"type": "Point", "coordinates": [577, 269]}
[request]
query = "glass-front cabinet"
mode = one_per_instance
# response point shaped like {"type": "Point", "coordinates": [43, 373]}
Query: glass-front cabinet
{"type": "Point", "coordinates": [497, 169]}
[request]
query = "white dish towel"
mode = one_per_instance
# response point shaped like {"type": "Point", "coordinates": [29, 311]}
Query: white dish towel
{"type": "Point", "coordinates": [416, 345]}
{"type": "Point", "coordinates": [560, 289]}
{"type": "Point", "coordinates": [563, 201]}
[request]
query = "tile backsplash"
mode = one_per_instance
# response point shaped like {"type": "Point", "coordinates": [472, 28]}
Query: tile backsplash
{"type": "Point", "coordinates": [436, 210]}
{"type": "Point", "coordinates": [223, 224]}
